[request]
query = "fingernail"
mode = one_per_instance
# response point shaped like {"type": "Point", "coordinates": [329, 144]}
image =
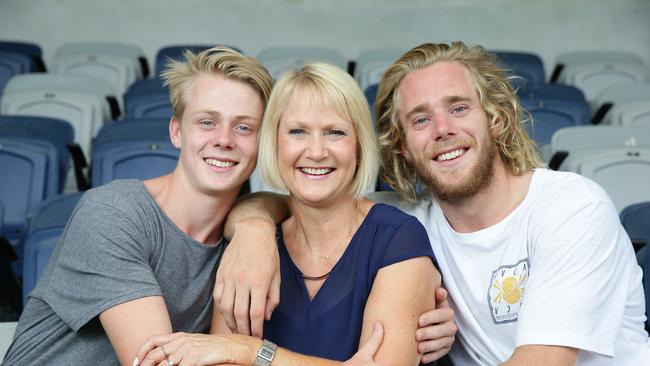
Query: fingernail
{"type": "Point", "coordinates": [136, 361]}
{"type": "Point", "coordinates": [376, 327]}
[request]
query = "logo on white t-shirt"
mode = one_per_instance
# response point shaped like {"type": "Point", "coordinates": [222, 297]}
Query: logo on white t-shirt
{"type": "Point", "coordinates": [507, 291]}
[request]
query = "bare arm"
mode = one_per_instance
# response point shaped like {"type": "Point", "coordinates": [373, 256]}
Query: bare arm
{"type": "Point", "coordinates": [538, 355]}
{"type": "Point", "coordinates": [400, 293]}
{"type": "Point", "coordinates": [247, 287]}
{"type": "Point", "coordinates": [130, 324]}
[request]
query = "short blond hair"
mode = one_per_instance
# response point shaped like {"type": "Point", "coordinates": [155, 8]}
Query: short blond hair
{"type": "Point", "coordinates": [497, 97]}
{"type": "Point", "coordinates": [181, 74]}
{"type": "Point", "coordinates": [326, 86]}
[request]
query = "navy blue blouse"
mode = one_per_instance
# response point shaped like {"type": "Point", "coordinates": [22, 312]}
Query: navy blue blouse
{"type": "Point", "coordinates": [329, 325]}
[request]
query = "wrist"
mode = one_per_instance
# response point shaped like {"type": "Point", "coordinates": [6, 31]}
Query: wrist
{"type": "Point", "coordinates": [260, 224]}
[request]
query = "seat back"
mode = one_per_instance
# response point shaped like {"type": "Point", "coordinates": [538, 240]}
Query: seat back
{"type": "Point", "coordinates": [31, 50]}
{"type": "Point", "coordinates": [546, 91]}
{"type": "Point", "coordinates": [22, 187]}
{"type": "Point", "coordinates": [117, 71]}
{"type": "Point", "coordinates": [82, 111]}
{"type": "Point", "coordinates": [45, 228]}
{"type": "Point", "coordinates": [99, 88]}
{"type": "Point", "coordinates": [371, 64]}
{"type": "Point", "coordinates": [623, 172]}
{"type": "Point", "coordinates": [280, 59]}
{"type": "Point", "coordinates": [526, 65]}
{"type": "Point", "coordinates": [139, 159]}
{"type": "Point", "coordinates": [150, 106]}
{"type": "Point", "coordinates": [132, 129]}
{"type": "Point", "coordinates": [175, 52]}
{"type": "Point", "coordinates": [574, 139]}
{"type": "Point", "coordinates": [57, 132]}
{"type": "Point", "coordinates": [124, 50]}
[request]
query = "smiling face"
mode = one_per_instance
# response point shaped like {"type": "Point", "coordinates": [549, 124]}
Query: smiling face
{"type": "Point", "coordinates": [218, 134]}
{"type": "Point", "coordinates": [317, 152]}
{"type": "Point", "coordinates": [448, 139]}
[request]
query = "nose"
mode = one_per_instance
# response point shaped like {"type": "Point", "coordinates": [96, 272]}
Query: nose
{"type": "Point", "coordinates": [317, 148]}
{"type": "Point", "coordinates": [443, 126]}
{"type": "Point", "coordinates": [223, 138]}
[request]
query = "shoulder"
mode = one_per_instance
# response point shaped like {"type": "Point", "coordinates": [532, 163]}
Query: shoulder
{"type": "Point", "coordinates": [567, 188]}
{"type": "Point", "coordinates": [387, 215]}
{"type": "Point", "coordinates": [122, 195]}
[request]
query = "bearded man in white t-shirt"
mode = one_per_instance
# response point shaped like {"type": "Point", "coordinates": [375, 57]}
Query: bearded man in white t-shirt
{"type": "Point", "coordinates": [538, 268]}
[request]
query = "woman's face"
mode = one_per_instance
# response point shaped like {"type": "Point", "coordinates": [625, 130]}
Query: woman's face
{"type": "Point", "coordinates": [317, 152]}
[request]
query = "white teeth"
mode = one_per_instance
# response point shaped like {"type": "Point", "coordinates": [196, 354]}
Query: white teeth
{"type": "Point", "coordinates": [219, 163]}
{"type": "Point", "coordinates": [450, 155]}
{"type": "Point", "coordinates": [316, 171]}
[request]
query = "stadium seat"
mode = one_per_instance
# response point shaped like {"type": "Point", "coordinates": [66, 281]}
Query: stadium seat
{"type": "Point", "coordinates": [135, 129]}
{"type": "Point", "coordinates": [280, 59]}
{"type": "Point", "coordinates": [31, 50]}
{"type": "Point", "coordinates": [83, 111]}
{"type": "Point", "coordinates": [371, 65]}
{"type": "Point", "coordinates": [546, 91]}
{"type": "Point", "coordinates": [150, 106]}
{"type": "Point", "coordinates": [45, 228]}
{"type": "Point", "coordinates": [22, 188]}
{"type": "Point", "coordinates": [574, 139]}
{"type": "Point", "coordinates": [525, 65]}
{"type": "Point", "coordinates": [117, 71]}
{"type": "Point", "coordinates": [68, 83]}
{"type": "Point", "coordinates": [140, 159]}
{"type": "Point", "coordinates": [623, 104]}
{"type": "Point", "coordinates": [123, 50]}
{"type": "Point", "coordinates": [175, 52]}
{"type": "Point", "coordinates": [57, 132]}
{"type": "Point", "coordinates": [594, 71]}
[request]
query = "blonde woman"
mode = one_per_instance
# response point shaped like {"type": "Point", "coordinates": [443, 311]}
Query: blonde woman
{"type": "Point", "coordinates": [346, 262]}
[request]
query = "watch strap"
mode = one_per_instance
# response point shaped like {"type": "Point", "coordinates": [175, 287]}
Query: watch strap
{"type": "Point", "coordinates": [265, 354]}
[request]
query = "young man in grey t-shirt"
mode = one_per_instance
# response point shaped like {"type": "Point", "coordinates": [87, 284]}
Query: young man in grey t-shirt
{"type": "Point", "coordinates": [139, 258]}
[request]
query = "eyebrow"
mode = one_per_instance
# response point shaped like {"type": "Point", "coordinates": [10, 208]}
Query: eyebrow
{"type": "Point", "coordinates": [217, 114]}
{"type": "Point", "coordinates": [424, 107]}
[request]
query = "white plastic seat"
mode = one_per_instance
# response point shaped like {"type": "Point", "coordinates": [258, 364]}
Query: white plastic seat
{"type": "Point", "coordinates": [280, 59]}
{"type": "Point", "coordinates": [7, 330]}
{"type": "Point", "coordinates": [124, 50]}
{"type": "Point", "coordinates": [624, 173]}
{"type": "Point", "coordinates": [119, 72]}
{"type": "Point", "coordinates": [573, 139]}
{"type": "Point", "coordinates": [83, 111]}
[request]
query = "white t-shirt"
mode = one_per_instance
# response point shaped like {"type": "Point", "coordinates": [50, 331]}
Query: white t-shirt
{"type": "Point", "coordinates": [558, 270]}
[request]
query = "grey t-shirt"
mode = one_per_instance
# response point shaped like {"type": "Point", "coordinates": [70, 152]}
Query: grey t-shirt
{"type": "Point", "coordinates": [118, 246]}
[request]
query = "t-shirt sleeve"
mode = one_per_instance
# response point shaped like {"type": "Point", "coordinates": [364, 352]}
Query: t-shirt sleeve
{"type": "Point", "coordinates": [409, 240]}
{"type": "Point", "coordinates": [103, 260]}
{"type": "Point", "coordinates": [582, 267]}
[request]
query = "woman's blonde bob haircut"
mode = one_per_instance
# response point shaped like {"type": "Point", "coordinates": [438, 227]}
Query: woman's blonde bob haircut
{"type": "Point", "coordinates": [497, 97]}
{"type": "Point", "coordinates": [321, 86]}
{"type": "Point", "coordinates": [181, 74]}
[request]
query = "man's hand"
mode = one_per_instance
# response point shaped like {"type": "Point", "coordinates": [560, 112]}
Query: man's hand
{"type": "Point", "coordinates": [366, 354]}
{"type": "Point", "coordinates": [247, 288]}
{"type": "Point", "coordinates": [437, 330]}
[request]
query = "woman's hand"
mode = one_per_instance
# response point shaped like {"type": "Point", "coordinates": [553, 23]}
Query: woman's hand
{"type": "Point", "coordinates": [198, 350]}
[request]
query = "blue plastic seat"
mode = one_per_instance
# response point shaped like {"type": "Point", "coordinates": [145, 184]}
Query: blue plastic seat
{"type": "Point", "coordinates": [150, 106]}
{"type": "Point", "coordinates": [46, 226]}
{"type": "Point", "coordinates": [140, 159]}
{"type": "Point", "coordinates": [526, 65]}
{"type": "Point", "coordinates": [55, 131]}
{"type": "Point", "coordinates": [132, 129]}
{"type": "Point", "coordinates": [31, 50]}
{"type": "Point", "coordinates": [22, 188]}
{"type": "Point", "coordinates": [175, 52]}
{"type": "Point", "coordinates": [550, 115]}
{"type": "Point", "coordinates": [546, 91]}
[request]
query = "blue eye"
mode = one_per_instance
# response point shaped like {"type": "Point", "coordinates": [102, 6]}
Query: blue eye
{"type": "Point", "coordinates": [459, 109]}
{"type": "Point", "coordinates": [206, 123]}
{"type": "Point", "coordinates": [420, 120]}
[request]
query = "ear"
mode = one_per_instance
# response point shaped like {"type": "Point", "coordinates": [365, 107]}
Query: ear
{"type": "Point", "coordinates": [496, 127]}
{"type": "Point", "coordinates": [175, 132]}
{"type": "Point", "coordinates": [405, 151]}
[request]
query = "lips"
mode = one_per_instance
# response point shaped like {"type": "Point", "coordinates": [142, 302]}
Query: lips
{"type": "Point", "coordinates": [220, 163]}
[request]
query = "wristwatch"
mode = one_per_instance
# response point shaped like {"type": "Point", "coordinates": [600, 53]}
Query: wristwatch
{"type": "Point", "coordinates": [265, 354]}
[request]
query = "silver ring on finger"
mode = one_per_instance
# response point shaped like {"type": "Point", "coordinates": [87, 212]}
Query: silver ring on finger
{"type": "Point", "coordinates": [170, 362]}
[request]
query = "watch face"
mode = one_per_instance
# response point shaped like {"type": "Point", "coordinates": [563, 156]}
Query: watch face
{"type": "Point", "coordinates": [266, 353]}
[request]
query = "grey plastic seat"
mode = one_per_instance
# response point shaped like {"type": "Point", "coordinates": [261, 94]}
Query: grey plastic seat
{"type": "Point", "coordinates": [280, 59]}
{"type": "Point", "coordinates": [372, 63]}
{"type": "Point", "coordinates": [625, 104]}
{"type": "Point", "coordinates": [124, 50]}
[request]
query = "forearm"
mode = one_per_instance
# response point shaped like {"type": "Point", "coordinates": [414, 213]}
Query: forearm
{"type": "Point", "coordinates": [260, 207]}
